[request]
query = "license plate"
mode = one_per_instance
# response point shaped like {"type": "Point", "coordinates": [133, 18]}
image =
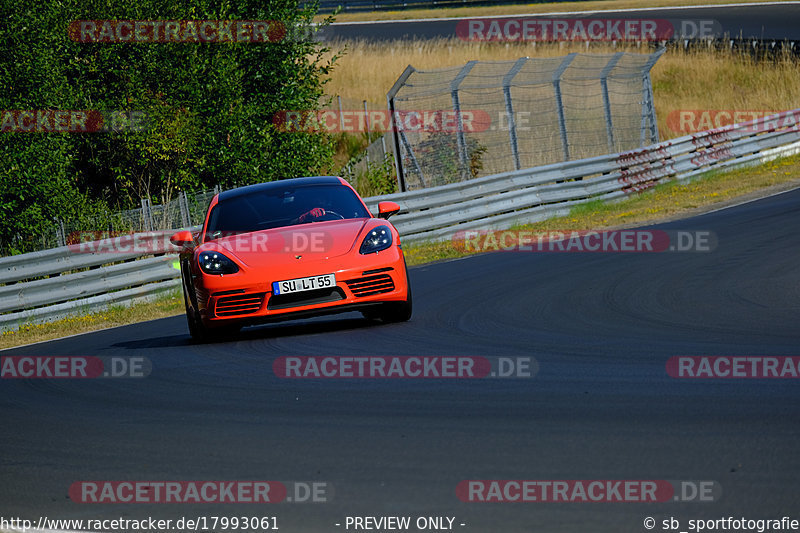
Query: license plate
{"type": "Point", "coordinates": [303, 284]}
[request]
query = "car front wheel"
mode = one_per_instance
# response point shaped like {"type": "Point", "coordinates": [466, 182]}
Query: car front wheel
{"type": "Point", "coordinates": [398, 311]}
{"type": "Point", "coordinates": [198, 330]}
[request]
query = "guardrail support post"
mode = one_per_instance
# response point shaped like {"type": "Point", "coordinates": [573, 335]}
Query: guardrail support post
{"type": "Point", "coordinates": [512, 123]}
{"type": "Point", "coordinates": [562, 122]}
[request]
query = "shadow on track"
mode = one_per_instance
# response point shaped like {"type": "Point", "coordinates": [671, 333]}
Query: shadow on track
{"type": "Point", "coordinates": [259, 332]}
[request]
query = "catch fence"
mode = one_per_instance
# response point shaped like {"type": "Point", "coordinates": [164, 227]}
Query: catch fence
{"type": "Point", "coordinates": [489, 117]}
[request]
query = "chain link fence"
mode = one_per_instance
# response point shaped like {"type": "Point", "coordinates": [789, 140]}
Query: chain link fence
{"type": "Point", "coordinates": [489, 117]}
{"type": "Point", "coordinates": [184, 211]}
{"type": "Point", "coordinates": [363, 131]}
{"type": "Point", "coordinates": [375, 153]}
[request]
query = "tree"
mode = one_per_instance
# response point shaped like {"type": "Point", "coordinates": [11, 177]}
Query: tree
{"type": "Point", "coordinates": [204, 109]}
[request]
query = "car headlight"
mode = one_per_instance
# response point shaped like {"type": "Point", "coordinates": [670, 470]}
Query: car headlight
{"type": "Point", "coordinates": [216, 263]}
{"type": "Point", "coordinates": [376, 240]}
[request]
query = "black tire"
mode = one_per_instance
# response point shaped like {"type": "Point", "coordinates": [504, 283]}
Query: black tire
{"type": "Point", "coordinates": [199, 332]}
{"type": "Point", "coordinates": [195, 326]}
{"type": "Point", "coordinates": [398, 311]}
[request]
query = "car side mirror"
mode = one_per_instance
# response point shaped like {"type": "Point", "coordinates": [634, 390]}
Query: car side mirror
{"type": "Point", "coordinates": [182, 239]}
{"type": "Point", "coordinates": [387, 209]}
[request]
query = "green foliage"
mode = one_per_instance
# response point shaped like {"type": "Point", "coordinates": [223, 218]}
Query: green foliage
{"type": "Point", "coordinates": [378, 178]}
{"type": "Point", "coordinates": [349, 146]}
{"type": "Point", "coordinates": [440, 160]}
{"type": "Point", "coordinates": [209, 108]}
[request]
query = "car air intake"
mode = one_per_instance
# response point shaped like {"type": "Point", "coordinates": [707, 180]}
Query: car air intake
{"type": "Point", "coordinates": [299, 299]}
{"type": "Point", "coordinates": [240, 304]}
{"type": "Point", "coordinates": [369, 285]}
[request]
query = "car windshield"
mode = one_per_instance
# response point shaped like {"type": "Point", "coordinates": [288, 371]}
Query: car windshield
{"type": "Point", "coordinates": [279, 207]}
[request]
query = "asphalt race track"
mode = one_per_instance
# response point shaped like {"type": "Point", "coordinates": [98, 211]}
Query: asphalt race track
{"type": "Point", "coordinates": [769, 21]}
{"type": "Point", "coordinates": [600, 326]}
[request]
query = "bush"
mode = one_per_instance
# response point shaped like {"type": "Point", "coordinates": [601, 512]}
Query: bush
{"type": "Point", "coordinates": [440, 162]}
{"type": "Point", "coordinates": [378, 178]}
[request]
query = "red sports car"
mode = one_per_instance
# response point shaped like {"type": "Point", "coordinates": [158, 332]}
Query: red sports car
{"type": "Point", "coordinates": [289, 249]}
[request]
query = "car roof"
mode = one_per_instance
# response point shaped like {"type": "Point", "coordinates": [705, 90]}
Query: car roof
{"type": "Point", "coordinates": [280, 184]}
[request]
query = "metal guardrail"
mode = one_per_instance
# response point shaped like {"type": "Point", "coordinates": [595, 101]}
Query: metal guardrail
{"type": "Point", "coordinates": [54, 283]}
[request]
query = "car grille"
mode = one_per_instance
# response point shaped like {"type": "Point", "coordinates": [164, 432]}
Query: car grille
{"type": "Point", "coordinates": [370, 285]}
{"type": "Point", "coordinates": [240, 304]}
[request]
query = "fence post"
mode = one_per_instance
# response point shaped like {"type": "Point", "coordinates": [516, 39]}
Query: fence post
{"type": "Point", "coordinates": [562, 123]}
{"type": "Point", "coordinates": [401, 181]}
{"type": "Point", "coordinates": [341, 117]}
{"type": "Point", "coordinates": [648, 108]}
{"type": "Point", "coordinates": [462, 141]}
{"type": "Point", "coordinates": [369, 130]}
{"type": "Point", "coordinates": [183, 204]}
{"type": "Point", "coordinates": [512, 122]}
{"type": "Point", "coordinates": [61, 233]}
{"type": "Point", "coordinates": [607, 101]}
{"type": "Point", "coordinates": [147, 216]}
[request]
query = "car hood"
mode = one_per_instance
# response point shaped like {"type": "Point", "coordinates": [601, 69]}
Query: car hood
{"type": "Point", "coordinates": [288, 245]}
